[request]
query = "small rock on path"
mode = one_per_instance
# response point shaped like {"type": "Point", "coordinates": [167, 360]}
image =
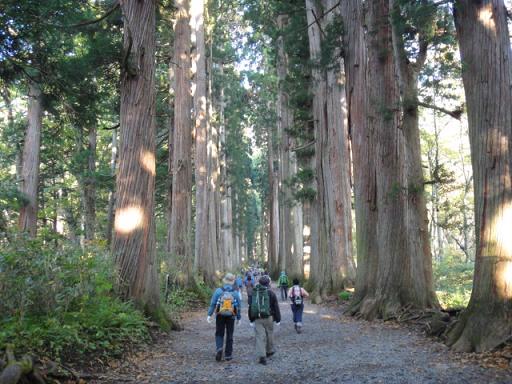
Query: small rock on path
{"type": "Point", "coordinates": [332, 349]}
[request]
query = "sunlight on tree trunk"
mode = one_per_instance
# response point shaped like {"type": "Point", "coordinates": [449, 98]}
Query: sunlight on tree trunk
{"type": "Point", "coordinates": [486, 56]}
{"type": "Point", "coordinates": [134, 237]}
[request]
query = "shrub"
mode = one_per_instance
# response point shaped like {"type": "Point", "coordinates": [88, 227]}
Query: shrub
{"type": "Point", "coordinates": [453, 282]}
{"type": "Point", "coordinates": [57, 300]}
{"type": "Point", "coordinates": [344, 295]}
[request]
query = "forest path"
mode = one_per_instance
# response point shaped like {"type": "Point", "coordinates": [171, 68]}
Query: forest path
{"type": "Point", "coordinates": [332, 349]}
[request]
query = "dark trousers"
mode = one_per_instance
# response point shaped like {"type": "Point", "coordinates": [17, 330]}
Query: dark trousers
{"type": "Point", "coordinates": [249, 299]}
{"type": "Point", "coordinates": [284, 292]}
{"type": "Point", "coordinates": [224, 325]}
{"type": "Point", "coordinates": [297, 313]}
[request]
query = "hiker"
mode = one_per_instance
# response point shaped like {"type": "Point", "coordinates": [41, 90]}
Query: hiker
{"type": "Point", "coordinates": [227, 306]}
{"type": "Point", "coordinates": [297, 295]}
{"type": "Point", "coordinates": [282, 283]}
{"type": "Point", "coordinates": [249, 286]}
{"type": "Point", "coordinates": [237, 287]}
{"type": "Point", "coordinates": [263, 312]}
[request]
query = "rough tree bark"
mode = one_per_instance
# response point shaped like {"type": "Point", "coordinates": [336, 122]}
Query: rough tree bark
{"type": "Point", "coordinates": [112, 193]}
{"type": "Point", "coordinates": [332, 266]}
{"type": "Point", "coordinates": [273, 238]}
{"type": "Point", "coordinates": [89, 183]}
{"type": "Point", "coordinates": [419, 271]}
{"type": "Point", "coordinates": [134, 237]}
{"type": "Point", "coordinates": [487, 76]}
{"type": "Point", "coordinates": [215, 263]}
{"type": "Point", "coordinates": [283, 124]}
{"type": "Point", "coordinates": [226, 219]}
{"type": "Point", "coordinates": [362, 143]}
{"type": "Point", "coordinates": [202, 261]}
{"type": "Point", "coordinates": [180, 222]}
{"type": "Point", "coordinates": [30, 161]}
{"type": "Point", "coordinates": [389, 277]}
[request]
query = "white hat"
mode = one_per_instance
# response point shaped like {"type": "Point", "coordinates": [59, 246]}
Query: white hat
{"type": "Point", "coordinates": [229, 279]}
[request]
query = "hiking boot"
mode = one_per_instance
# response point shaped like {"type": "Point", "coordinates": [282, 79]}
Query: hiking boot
{"type": "Point", "coordinates": [263, 361]}
{"type": "Point", "coordinates": [270, 354]}
{"type": "Point", "coordinates": [299, 328]}
{"type": "Point", "coordinates": [296, 326]}
{"type": "Point", "coordinates": [218, 355]}
{"type": "Point", "coordinates": [228, 358]}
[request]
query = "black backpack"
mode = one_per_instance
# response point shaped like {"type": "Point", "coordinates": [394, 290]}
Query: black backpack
{"type": "Point", "coordinates": [297, 300]}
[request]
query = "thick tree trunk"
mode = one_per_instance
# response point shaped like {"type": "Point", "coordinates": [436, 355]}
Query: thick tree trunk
{"type": "Point", "coordinates": [134, 237]}
{"type": "Point", "coordinates": [390, 278]}
{"type": "Point", "coordinates": [89, 184]}
{"type": "Point", "coordinates": [362, 145]}
{"type": "Point", "coordinates": [213, 185]}
{"type": "Point", "coordinates": [418, 275]}
{"type": "Point", "coordinates": [112, 193]}
{"type": "Point", "coordinates": [337, 169]}
{"type": "Point", "coordinates": [273, 238]}
{"type": "Point", "coordinates": [180, 222]}
{"type": "Point", "coordinates": [30, 162]}
{"type": "Point", "coordinates": [295, 267]}
{"type": "Point", "coordinates": [284, 123]}
{"type": "Point", "coordinates": [485, 51]}
{"type": "Point", "coordinates": [226, 219]}
{"type": "Point", "coordinates": [202, 261]}
{"type": "Point", "coordinates": [331, 253]}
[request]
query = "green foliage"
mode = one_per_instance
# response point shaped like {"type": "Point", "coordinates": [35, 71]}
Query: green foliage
{"type": "Point", "coordinates": [453, 282]}
{"type": "Point", "coordinates": [344, 295]}
{"type": "Point", "coordinates": [58, 301]}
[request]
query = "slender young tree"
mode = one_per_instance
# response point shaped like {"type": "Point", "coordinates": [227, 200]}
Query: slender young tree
{"type": "Point", "coordinates": [180, 222]}
{"type": "Point", "coordinates": [484, 43]}
{"type": "Point", "coordinates": [134, 236]}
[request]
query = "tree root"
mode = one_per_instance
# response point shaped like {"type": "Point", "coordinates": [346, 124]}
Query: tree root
{"type": "Point", "coordinates": [27, 371]}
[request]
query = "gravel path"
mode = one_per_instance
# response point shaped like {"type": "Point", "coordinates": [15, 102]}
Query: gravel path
{"type": "Point", "coordinates": [331, 349]}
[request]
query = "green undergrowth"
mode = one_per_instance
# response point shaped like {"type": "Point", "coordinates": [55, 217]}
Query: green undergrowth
{"type": "Point", "coordinates": [344, 296]}
{"type": "Point", "coordinates": [57, 301]}
{"type": "Point", "coordinates": [453, 282]}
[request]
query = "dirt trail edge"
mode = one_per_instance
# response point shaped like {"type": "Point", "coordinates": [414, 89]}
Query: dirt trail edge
{"type": "Point", "coordinates": [332, 349]}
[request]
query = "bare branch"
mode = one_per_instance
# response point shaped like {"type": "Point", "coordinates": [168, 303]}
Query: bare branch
{"type": "Point", "coordinates": [303, 146]}
{"type": "Point", "coordinates": [456, 114]}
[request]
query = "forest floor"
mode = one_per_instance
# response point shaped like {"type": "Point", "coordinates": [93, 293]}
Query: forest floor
{"type": "Point", "coordinates": [333, 348]}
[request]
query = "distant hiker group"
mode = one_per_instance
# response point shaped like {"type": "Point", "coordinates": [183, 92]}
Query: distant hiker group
{"type": "Point", "coordinates": [263, 310]}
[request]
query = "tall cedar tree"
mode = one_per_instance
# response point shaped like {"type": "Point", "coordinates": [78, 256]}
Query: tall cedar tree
{"type": "Point", "coordinates": [180, 221]}
{"type": "Point", "coordinates": [486, 59]}
{"type": "Point", "coordinates": [134, 237]}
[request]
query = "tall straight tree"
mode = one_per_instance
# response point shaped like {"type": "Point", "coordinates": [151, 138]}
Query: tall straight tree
{"type": "Point", "coordinates": [30, 160]}
{"type": "Point", "coordinates": [332, 265]}
{"type": "Point", "coordinates": [391, 277]}
{"type": "Point", "coordinates": [134, 237]}
{"type": "Point", "coordinates": [486, 58]}
{"type": "Point", "coordinates": [362, 142]}
{"type": "Point", "coordinates": [89, 182]}
{"type": "Point", "coordinates": [180, 221]}
{"type": "Point", "coordinates": [202, 260]}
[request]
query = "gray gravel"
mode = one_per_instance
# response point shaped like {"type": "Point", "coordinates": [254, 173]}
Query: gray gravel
{"type": "Point", "coordinates": [332, 349]}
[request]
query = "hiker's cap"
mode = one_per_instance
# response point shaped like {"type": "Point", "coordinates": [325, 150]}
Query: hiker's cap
{"type": "Point", "coordinates": [264, 280]}
{"type": "Point", "coordinates": [229, 279]}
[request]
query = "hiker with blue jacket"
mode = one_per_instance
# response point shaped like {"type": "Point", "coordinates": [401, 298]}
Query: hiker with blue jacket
{"type": "Point", "coordinates": [263, 313]}
{"type": "Point", "coordinates": [227, 307]}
